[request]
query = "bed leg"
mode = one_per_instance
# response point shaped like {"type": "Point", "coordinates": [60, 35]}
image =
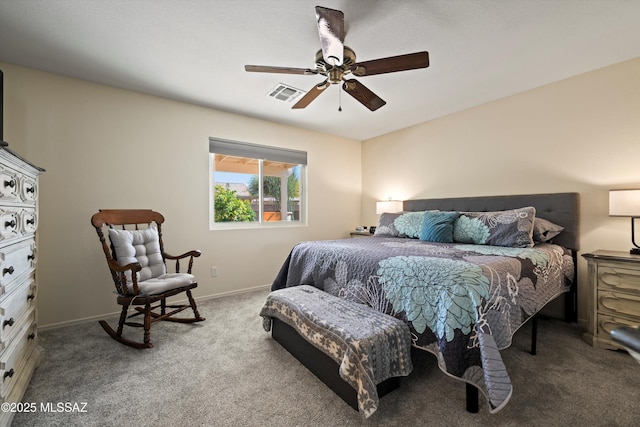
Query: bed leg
{"type": "Point", "coordinates": [571, 297]}
{"type": "Point", "coordinates": [534, 334]}
{"type": "Point", "coordinates": [472, 399]}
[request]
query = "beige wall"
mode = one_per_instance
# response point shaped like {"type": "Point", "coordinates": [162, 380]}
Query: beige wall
{"type": "Point", "coordinates": [581, 134]}
{"type": "Point", "coordinates": [104, 147]}
{"type": "Point", "coordinates": [109, 148]}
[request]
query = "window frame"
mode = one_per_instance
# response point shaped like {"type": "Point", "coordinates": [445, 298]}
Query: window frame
{"type": "Point", "coordinates": [257, 152]}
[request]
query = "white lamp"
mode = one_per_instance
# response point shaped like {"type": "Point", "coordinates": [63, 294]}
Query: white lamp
{"type": "Point", "coordinates": [389, 206]}
{"type": "Point", "coordinates": [626, 203]}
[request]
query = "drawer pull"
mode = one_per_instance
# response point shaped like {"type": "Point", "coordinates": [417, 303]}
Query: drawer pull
{"type": "Point", "coordinates": [9, 270]}
{"type": "Point", "coordinates": [31, 221]}
{"type": "Point", "coordinates": [30, 257]}
{"type": "Point", "coordinates": [31, 189]}
{"type": "Point", "coordinates": [30, 297]}
{"type": "Point", "coordinates": [11, 183]}
{"type": "Point", "coordinates": [11, 223]}
{"type": "Point", "coordinates": [31, 336]}
{"type": "Point", "coordinates": [9, 374]}
{"type": "Point", "coordinates": [9, 322]}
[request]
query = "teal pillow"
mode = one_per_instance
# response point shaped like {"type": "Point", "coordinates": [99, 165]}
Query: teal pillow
{"type": "Point", "coordinates": [437, 226]}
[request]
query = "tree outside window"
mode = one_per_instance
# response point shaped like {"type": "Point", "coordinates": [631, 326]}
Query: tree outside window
{"type": "Point", "coordinates": [264, 185]}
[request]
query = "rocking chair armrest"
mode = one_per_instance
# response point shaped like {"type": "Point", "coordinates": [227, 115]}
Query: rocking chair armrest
{"type": "Point", "coordinates": [134, 266]}
{"type": "Point", "coordinates": [191, 255]}
{"type": "Point", "coordinates": [118, 272]}
{"type": "Point", "coordinates": [195, 253]}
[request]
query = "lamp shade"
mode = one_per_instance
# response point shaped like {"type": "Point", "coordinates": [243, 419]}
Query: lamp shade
{"type": "Point", "coordinates": [389, 206]}
{"type": "Point", "coordinates": [624, 203]}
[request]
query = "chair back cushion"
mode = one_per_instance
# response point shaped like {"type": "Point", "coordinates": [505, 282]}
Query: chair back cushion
{"type": "Point", "coordinates": [141, 246]}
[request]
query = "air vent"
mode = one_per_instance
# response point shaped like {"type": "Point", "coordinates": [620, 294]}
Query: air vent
{"type": "Point", "coordinates": [285, 93]}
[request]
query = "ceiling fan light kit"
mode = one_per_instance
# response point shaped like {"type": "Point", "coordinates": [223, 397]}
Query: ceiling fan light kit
{"type": "Point", "coordinates": [335, 61]}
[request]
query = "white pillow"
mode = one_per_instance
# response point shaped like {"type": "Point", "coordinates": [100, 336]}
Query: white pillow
{"type": "Point", "coordinates": [142, 246]}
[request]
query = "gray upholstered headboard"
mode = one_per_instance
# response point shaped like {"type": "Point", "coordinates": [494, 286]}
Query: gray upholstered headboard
{"type": "Point", "coordinates": [559, 208]}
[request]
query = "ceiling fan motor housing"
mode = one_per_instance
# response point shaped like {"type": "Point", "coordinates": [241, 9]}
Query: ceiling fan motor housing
{"type": "Point", "coordinates": [336, 72]}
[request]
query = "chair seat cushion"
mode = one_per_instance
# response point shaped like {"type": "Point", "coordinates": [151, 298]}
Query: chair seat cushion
{"type": "Point", "coordinates": [163, 283]}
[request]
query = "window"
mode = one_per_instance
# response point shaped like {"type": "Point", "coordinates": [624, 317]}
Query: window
{"type": "Point", "coordinates": [256, 185]}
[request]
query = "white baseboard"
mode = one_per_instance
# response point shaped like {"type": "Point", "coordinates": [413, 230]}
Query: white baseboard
{"type": "Point", "coordinates": [117, 313]}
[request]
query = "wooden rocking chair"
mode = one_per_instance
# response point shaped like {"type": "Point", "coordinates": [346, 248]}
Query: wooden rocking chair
{"type": "Point", "coordinates": [137, 261]}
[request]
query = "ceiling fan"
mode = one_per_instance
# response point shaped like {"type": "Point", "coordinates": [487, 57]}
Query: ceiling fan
{"type": "Point", "coordinates": [335, 61]}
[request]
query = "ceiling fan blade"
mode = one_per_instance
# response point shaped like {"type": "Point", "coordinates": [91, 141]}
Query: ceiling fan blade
{"type": "Point", "coordinates": [282, 70]}
{"type": "Point", "coordinates": [311, 95]}
{"type": "Point", "coordinates": [362, 94]}
{"type": "Point", "coordinates": [391, 64]}
{"type": "Point", "coordinates": [331, 31]}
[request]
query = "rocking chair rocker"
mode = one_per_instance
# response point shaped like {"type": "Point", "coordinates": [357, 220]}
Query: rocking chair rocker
{"type": "Point", "coordinates": [137, 262]}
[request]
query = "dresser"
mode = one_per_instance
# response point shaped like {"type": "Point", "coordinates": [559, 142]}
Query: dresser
{"type": "Point", "coordinates": [19, 351]}
{"type": "Point", "coordinates": [614, 295]}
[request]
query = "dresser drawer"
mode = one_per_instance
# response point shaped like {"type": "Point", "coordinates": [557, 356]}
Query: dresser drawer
{"type": "Point", "coordinates": [15, 260]}
{"type": "Point", "coordinates": [13, 310]}
{"type": "Point", "coordinates": [618, 303]}
{"type": "Point", "coordinates": [17, 222]}
{"type": "Point", "coordinates": [28, 190]}
{"type": "Point", "coordinates": [17, 187]}
{"type": "Point", "coordinates": [12, 359]}
{"type": "Point", "coordinates": [28, 221]}
{"type": "Point", "coordinates": [9, 184]}
{"type": "Point", "coordinates": [9, 223]}
{"type": "Point", "coordinates": [617, 278]}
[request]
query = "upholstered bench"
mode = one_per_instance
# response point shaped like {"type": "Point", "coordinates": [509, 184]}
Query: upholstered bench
{"type": "Point", "coordinates": [355, 350]}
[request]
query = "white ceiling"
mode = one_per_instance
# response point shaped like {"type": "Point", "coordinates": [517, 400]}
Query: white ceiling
{"type": "Point", "coordinates": [195, 50]}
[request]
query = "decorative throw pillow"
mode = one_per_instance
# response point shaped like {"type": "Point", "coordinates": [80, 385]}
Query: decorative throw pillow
{"type": "Point", "coordinates": [142, 246]}
{"type": "Point", "coordinates": [409, 224]}
{"type": "Point", "coordinates": [437, 226]}
{"type": "Point", "coordinates": [545, 230]}
{"type": "Point", "coordinates": [386, 227]}
{"type": "Point", "coordinates": [512, 228]}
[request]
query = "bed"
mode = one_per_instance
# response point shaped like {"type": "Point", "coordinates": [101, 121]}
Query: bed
{"type": "Point", "coordinates": [464, 273]}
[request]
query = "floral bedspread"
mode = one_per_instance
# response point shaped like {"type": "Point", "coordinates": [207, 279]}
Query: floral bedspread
{"type": "Point", "coordinates": [462, 302]}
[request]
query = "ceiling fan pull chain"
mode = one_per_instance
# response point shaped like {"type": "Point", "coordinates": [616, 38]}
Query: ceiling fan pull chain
{"type": "Point", "coordinates": [339, 100]}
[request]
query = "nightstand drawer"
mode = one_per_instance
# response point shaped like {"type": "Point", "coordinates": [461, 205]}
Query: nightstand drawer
{"type": "Point", "coordinates": [608, 323]}
{"type": "Point", "coordinates": [618, 303]}
{"type": "Point", "coordinates": [617, 278]}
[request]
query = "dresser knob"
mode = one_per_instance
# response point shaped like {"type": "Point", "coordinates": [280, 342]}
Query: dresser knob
{"type": "Point", "coordinates": [9, 270]}
{"type": "Point", "coordinates": [30, 297]}
{"type": "Point", "coordinates": [9, 374]}
{"type": "Point", "coordinates": [31, 221]}
{"type": "Point", "coordinates": [30, 257]}
{"type": "Point", "coordinates": [9, 322]}
{"type": "Point", "coordinates": [31, 189]}
{"type": "Point", "coordinates": [11, 223]}
{"type": "Point", "coordinates": [11, 183]}
{"type": "Point", "coordinates": [31, 336]}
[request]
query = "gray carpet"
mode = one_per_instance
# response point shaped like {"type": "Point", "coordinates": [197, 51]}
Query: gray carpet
{"type": "Point", "coordinates": [227, 371]}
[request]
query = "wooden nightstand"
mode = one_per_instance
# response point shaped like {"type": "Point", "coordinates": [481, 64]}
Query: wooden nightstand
{"type": "Point", "coordinates": [614, 295]}
{"type": "Point", "coordinates": [360, 234]}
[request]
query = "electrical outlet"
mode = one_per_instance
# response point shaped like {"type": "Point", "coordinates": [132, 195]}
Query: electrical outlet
{"type": "Point", "coordinates": [214, 271]}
